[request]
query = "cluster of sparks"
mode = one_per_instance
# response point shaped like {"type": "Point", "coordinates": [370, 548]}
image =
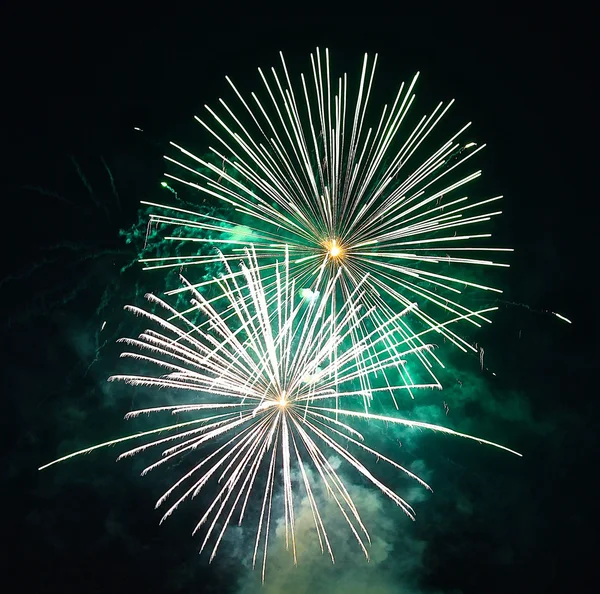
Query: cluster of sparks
{"type": "Point", "coordinates": [304, 171]}
{"type": "Point", "coordinates": [268, 393]}
{"type": "Point", "coordinates": [349, 245]}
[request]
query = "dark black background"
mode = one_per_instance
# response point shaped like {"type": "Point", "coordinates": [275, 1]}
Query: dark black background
{"type": "Point", "coordinates": [76, 82]}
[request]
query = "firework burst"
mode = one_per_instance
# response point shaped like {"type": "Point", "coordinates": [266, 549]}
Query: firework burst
{"type": "Point", "coordinates": [270, 381]}
{"type": "Point", "coordinates": [309, 168]}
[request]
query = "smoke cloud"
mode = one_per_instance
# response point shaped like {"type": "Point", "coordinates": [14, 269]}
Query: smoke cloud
{"type": "Point", "coordinates": [396, 554]}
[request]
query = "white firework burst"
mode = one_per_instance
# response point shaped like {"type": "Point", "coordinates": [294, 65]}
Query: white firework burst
{"type": "Point", "coordinates": [272, 386]}
{"type": "Point", "coordinates": [309, 168]}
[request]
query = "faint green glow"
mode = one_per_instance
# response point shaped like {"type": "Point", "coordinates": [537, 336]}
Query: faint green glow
{"type": "Point", "coordinates": [166, 186]}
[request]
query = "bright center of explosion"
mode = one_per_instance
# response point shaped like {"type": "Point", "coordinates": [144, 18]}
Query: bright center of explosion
{"type": "Point", "coordinates": [334, 250]}
{"type": "Point", "coordinates": [283, 400]}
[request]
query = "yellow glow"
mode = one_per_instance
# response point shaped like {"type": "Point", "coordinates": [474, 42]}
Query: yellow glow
{"type": "Point", "coordinates": [334, 250]}
{"type": "Point", "coordinates": [283, 399]}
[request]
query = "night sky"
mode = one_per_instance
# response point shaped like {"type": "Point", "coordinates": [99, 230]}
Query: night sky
{"type": "Point", "coordinates": [76, 86]}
